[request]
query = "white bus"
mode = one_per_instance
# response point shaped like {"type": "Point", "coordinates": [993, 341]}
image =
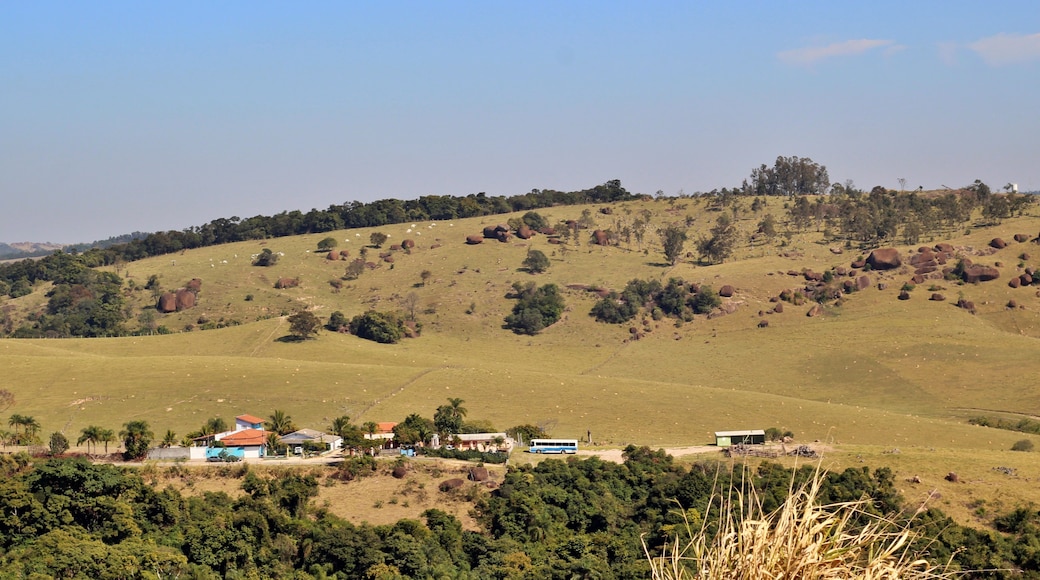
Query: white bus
{"type": "Point", "coordinates": [553, 446]}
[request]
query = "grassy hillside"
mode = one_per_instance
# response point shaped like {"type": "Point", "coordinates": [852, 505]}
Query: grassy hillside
{"type": "Point", "coordinates": [874, 371]}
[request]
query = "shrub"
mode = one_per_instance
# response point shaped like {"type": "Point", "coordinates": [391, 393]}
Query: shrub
{"type": "Point", "coordinates": [1022, 445]}
{"type": "Point", "coordinates": [383, 327]}
{"type": "Point", "coordinates": [536, 309]}
{"type": "Point", "coordinates": [266, 258]}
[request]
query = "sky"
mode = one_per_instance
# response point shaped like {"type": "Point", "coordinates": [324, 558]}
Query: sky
{"type": "Point", "coordinates": [145, 116]}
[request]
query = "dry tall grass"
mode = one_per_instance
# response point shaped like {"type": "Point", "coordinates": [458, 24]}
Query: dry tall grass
{"type": "Point", "coordinates": [800, 540]}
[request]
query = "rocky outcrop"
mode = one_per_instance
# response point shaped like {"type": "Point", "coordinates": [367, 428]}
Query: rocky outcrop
{"type": "Point", "coordinates": [167, 303]}
{"type": "Point", "coordinates": [975, 273]}
{"type": "Point", "coordinates": [816, 310]}
{"type": "Point", "coordinates": [185, 299]}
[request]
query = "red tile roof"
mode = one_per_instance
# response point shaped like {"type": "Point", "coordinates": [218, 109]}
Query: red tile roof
{"type": "Point", "coordinates": [250, 419]}
{"type": "Point", "coordinates": [385, 427]}
{"type": "Point", "coordinates": [245, 437]}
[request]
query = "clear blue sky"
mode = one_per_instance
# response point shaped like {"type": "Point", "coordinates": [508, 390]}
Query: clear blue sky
{"type": "Point", "coordinates": [122, 116]}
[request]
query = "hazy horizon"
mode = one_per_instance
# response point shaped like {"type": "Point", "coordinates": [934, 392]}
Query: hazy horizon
{"type": "Point", "coordinates": [122, 116]}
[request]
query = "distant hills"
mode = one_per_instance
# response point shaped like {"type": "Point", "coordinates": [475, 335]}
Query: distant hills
{"type": "Point", "coordinates": [21, 250]}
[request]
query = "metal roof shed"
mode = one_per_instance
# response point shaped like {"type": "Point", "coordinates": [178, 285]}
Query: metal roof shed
{"type": "Point", "coordinates": [746, 437]}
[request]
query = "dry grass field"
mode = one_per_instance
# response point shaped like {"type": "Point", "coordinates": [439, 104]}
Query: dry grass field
{"type": "Point", "coordinates": [873, 374]}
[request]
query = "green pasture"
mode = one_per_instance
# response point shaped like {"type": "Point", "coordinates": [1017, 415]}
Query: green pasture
{"type": "Point", "coordinates": [874, 371]}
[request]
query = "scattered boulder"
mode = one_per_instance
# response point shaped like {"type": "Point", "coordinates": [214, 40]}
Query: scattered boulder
{"type": "Point", "coordinates": [524, 233]}
{"type": "Point", "coordinates": [779, 308]}
{"type": "Point", "coordinates": [555, 241]}
{"type": "Point", "coordinates": [504, 236]}
{"type": "Point", "coordinates": [904, 295]}
{"type": "Point", "coordinates": [881, 286]}
{"type": "Point", "coordinates": [997, 243]}
{"type": "Point", "coordinates": [408, 244]}
{"type": "Point", "coordinates": [863, 282]}
{"type": "Point", "coordinates": [976, 273]}
{"type": "Point", "coordinates": [763, 323]}
{"type": "Point", "coordinates": [451, 484]}
{"type": "Point", "coordinates": [952, 477]}
{"type": "Point", "coordinates": [837, 251]}
{"type": "Point", "coordinates": [287, 283]}
{"type": "Point", "coordinates": [395, 247]}
{"type": "Point", "coordinates": [858, 264]}
{"type": "Point", "coordinates": [966, 305]}
{"type": "Point", "coordinates": [944, 248]}
{"type": "Point", "coordinates": [841, 270]}
{"type": "Point", "coordinates": [884, 259]}
{"type": "Point", "coordinates": [937, 297]}
{"type": "Point", "coordinates": [332, 256]}
{"type": "Point", "coordinates": [399, 472]}
{"type": "Point", "coordinates": [1026, 279]}
{"type": "Point", "coordinates": [473, 240]}
{"type": "Point", "coordinates": [344, 254]}
{"type": "Point", "coordinates": [726, 291]}
{"type": "Point", "coordinates": [185, 299]}
{"type": "Point", "coordinates": [547, 231]}
{"type": "Point", "coordinates": [167, 303]}
{"type": "Point", "coordinates": [491, 232]}
{"type": "Point", "coordinates": [478, 474]}
{"type": "Point", "coordinates": [1012, 304]}
{"type": "Point", "coordinates": [1015, 282]}
{"type": "Point", "coordinates": [1021, 238]}
{"type": "Point", "coordinates": [816, 310]}
{"type": "Point", "coordinates": [600, 238]}
{"type": "Point", "coordinates": [195, 285]}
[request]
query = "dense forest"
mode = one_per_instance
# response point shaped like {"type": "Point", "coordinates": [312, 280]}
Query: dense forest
{"type": "Point", "coordinates": [70, 518]}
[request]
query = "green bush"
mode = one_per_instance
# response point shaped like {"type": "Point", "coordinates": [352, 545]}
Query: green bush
{"type": "Point", "coordinates": [1022, 445]}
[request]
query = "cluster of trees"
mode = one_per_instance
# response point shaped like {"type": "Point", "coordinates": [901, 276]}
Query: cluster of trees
{"type": "Point", "coordinates": [677, 299]}
{"type": "Point", "coordinates": [537, 307]}
{"type": "Point", "coordinates": [559, 519]}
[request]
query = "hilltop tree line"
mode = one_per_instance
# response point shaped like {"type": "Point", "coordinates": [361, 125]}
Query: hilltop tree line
{"type": "Point", "coordinates": [558, 519]}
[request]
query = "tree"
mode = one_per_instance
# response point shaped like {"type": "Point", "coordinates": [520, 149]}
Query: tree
{"type": "Point", "coordinates": [355, 269]}
{"type": "Point", "coordinates": [280, 423]}
{"type": "Point", "coordinates": [425, 275]}
{"type": "Point", "coordinates": [327, 244]}
{"type": "Point", "coordinates": [414, 429]}
{"type": "Point", "coordinates": [303, 324]}
{"type": "Point", "coordinates": [266, 258]}
{"type": "Point", "coordinates": [106, 436]}
{"type": "Point", "coordinates": [59, 443]}
{"type": "Point", "coordinates": [91, 435]}
{"type": "Point", "coordinates": [535, 221]}
{"type": "Point", "coordinates": [448, 418]}
{"type": "Point", "coordinates": [137, 436]}
{"type": "Point", "coordinates": [383, 327]}
{"type": "Point", "coordinates": [673, 238]}
{"type": "Point", "coordinates": [536, 261]}
{"type": "Point", "coordinates": [536, 309]}
{"type": "Point", "coordinates": [410, 303]}
{"type": "Point", "coordinates": [719, 246]}
{"type": "Point", "coordinates": [337, 322]}
{"type": "Point", "coordinates": [377, 239]}
{"type": "Point", "coordinates": [169, 440]}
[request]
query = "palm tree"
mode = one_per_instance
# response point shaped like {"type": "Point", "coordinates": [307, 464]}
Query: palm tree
{"type": "Point", "coordinates": [169, 440]}
{"type": "Point", "coordinates": [370, 427]}
{"type": "Point", "coordinates": [458, 411]}
{"type": "Point", "coordinates": [106, 436]}
{"type": "Point", "coordinates": [214, 426]}
{"type": "Point", "coordinates": [5, 438]}
{"type": "Point", "coordinates": [16, 421]}
{"type": "Point", "coordinates": [280, 423]}
{"type": "Point", "coordinates": [32, 429]}
{"type": "Point", "coordinates": [90, 435]}
{"type": "Point", "coordinates": [340, 425]}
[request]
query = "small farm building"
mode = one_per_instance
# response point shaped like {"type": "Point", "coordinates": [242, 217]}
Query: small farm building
{"type": "Point", "coordinates": [747, 437]}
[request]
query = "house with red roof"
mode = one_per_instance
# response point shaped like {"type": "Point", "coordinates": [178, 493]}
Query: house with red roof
{"type": "Point", "coordinates": [248, 439]}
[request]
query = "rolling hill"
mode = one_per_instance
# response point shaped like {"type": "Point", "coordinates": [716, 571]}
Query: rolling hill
{"type": "Point", "coordinates": [871, 372]}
